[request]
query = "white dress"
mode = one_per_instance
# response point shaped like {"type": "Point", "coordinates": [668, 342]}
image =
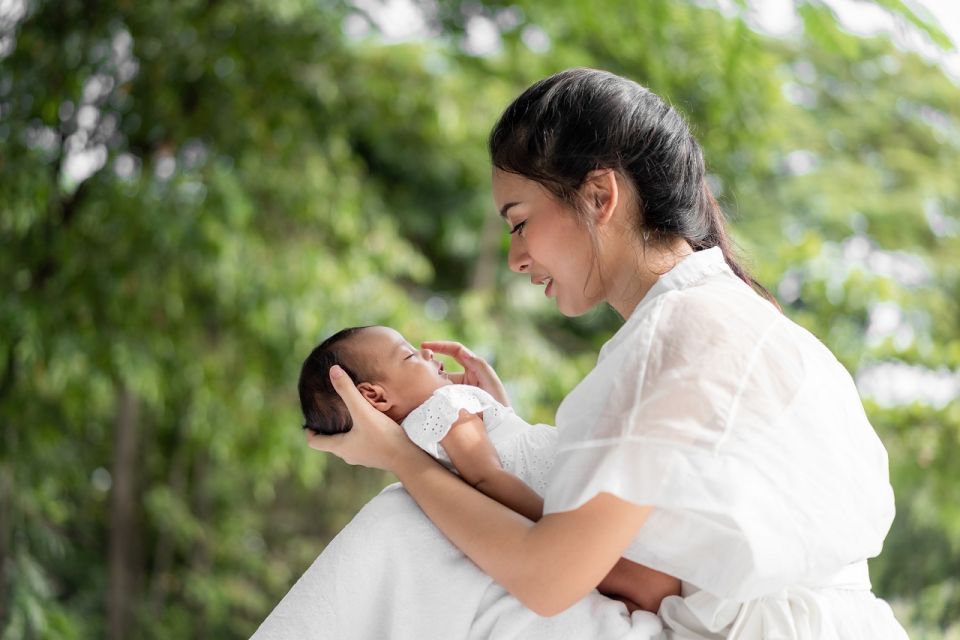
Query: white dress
{"type": "Point", "coordinates": [390, 573]}
{"type": "Point", "coordinates": [769, 486]}
{"type": "Point", "coordinates": [526, 450]}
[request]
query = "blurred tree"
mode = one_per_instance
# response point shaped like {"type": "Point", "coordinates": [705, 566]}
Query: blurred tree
{"type": "Point", "coordinates": [181, 219]}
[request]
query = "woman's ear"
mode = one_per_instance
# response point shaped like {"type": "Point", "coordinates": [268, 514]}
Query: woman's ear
{"type": "Point", "coordinates": [375, 395]}
{"type": "Point", "coordinates": [601, 190]}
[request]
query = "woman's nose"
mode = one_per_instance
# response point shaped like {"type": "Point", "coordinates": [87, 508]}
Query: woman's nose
{"type": "Point", "coordinates": [517, 258]}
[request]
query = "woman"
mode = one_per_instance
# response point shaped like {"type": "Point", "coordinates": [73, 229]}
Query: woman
{"type": "Point", "coordinates": [717, 440]}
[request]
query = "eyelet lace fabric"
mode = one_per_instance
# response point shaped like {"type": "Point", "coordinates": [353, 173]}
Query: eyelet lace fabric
{"type": "Point", "coordinates": [429, 423]}
{"type": "Point", "coordinates": [525, 450]}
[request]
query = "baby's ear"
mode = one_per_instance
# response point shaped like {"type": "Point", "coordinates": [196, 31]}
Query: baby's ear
{"type": "Point", "coordinates": [375, 395]}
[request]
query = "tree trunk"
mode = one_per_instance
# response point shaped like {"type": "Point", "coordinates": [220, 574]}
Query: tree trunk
{"type": "Point", "coordinates": [200, 559]}
{"type": "Point", "coordinates": [6, 514]}
{"type": "Point", "coordinates": [485, 272]}
{"type": "Point", "coordinates": [7, 474]}
{"type": "Point", "coordinates": [163, 554]}
{"type": "Point", "coordinates": [122, 514]}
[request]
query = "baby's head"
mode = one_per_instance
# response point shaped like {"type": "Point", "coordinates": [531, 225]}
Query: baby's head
{"type": "Point", "coordinates": [394, 377]}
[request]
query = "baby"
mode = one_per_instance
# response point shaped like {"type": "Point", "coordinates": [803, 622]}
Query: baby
{"type": "Point", "coordinates": [412, 388]}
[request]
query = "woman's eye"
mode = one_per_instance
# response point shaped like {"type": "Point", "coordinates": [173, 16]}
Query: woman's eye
{"type": "Point", "coordinates": [518, 228]}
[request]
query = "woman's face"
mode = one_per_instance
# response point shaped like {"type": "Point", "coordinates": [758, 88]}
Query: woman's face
{"type": "Point", "coordinates": [548, 243]}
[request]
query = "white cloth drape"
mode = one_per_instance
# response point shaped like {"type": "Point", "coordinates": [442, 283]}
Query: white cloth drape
{"type": "Point", "coordinates": [391, 575]}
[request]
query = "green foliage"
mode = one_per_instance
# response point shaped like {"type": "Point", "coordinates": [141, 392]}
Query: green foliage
{"type": "Point", "coordinates": [255, 180]}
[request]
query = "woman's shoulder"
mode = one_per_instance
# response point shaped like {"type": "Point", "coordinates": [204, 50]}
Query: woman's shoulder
{"type": "Point", "coordinates": [713, 335]}
{"type": "Point", "coordinates": [716, 313]}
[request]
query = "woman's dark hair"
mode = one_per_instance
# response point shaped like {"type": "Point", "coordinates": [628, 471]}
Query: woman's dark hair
{"type": "Point", "coordinates": [324, 411]}
{"type": "Point", "coordinates": [581, 120]}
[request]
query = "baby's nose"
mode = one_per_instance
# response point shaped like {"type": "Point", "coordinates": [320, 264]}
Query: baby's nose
{"type": "Point", "coordinates": [427, 354]}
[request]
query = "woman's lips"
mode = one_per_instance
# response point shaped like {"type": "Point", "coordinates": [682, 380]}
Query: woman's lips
{"type": "Point", "coordinates": [547, 280]}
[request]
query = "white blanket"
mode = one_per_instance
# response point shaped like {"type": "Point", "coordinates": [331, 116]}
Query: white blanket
{"type": "Point", "coordinates": [391, 574]}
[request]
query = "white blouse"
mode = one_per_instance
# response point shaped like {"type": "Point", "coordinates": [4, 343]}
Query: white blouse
{"type": "Point", "coordinates": [769, 485]}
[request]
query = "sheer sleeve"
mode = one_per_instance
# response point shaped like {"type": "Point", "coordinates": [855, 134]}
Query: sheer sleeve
{"type": "Point", "coordinates": [732, 423]}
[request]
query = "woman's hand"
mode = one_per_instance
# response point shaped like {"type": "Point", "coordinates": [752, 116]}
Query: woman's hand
{"type": "Point", "coordinates": [374, 441]}
{"type": "Point", "coordinates": [477, 372]}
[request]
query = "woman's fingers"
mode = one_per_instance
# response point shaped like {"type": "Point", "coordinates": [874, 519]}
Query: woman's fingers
{"type": "Point", "coordinates": [320, 442]}
{"type": "Point", "coordinates": [342, 445]}
{"type": "Point", "coordinates": [375, 440]}
{"type": "Point", "coordinates": [477, 371]}
{"type": "Point", "coordinates": [450, 348]}
{"type": "Point", "coordinates": [347, 391]}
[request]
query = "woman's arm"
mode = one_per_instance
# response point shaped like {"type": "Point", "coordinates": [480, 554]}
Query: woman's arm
{"type": "Point", "coordinates": [548, 565]}
{"type": "Point", "coordinates": [475, 458]}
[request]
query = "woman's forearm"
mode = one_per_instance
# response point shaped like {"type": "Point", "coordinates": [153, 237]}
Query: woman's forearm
{"type": "Point", "coordinates": [549, 565]}
{"type": "Point", "coordinates": [511, 491]}
{"type": "Point", "coordinates": [639, 584]}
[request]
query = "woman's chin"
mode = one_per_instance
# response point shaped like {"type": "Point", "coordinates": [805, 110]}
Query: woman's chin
{"type": "Point", "coordinates": [572, 309]}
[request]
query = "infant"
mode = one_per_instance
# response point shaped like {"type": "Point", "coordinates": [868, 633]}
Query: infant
{"type": "Point", "coordinates": [412, 388]}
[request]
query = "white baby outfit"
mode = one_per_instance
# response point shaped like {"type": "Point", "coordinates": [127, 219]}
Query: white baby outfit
{"type": "Point", "coordinates": [526, 450]}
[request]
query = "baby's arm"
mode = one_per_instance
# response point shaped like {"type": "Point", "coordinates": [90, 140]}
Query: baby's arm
{"type": "Point", "coordinates": [476, 460]}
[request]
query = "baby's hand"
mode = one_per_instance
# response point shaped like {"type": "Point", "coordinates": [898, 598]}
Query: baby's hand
{"type": "Point", "coordinates": [477, 372]}
{"type": "Point", "coordinates": [470, 449]}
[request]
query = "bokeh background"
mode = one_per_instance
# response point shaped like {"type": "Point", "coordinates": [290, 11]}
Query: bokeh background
{"type": "Point", "coordinates": [194, 193]}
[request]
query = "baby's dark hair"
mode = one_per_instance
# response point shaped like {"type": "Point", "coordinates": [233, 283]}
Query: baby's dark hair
{"type": "Point", "coordinates": [323, 410]}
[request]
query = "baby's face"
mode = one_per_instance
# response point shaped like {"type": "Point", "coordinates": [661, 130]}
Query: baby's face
{"type": "Point", "coordinates": [409, 375]}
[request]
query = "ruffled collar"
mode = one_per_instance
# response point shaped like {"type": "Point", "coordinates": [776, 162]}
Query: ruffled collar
{"type": "Point", "coordinates": [689, 271]}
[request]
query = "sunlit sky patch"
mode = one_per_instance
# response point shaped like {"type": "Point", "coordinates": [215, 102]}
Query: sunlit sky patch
{"type": "Point", "coordinates": [402, 20]}
{"type": "Point", "coordinates": [779, 18]}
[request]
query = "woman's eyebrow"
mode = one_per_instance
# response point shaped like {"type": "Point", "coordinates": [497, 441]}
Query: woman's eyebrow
{"type": "Point", "coordinates": [505, 208]}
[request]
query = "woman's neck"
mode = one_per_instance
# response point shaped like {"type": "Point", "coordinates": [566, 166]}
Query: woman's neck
{"type": "Point", "coordinates": [637, 269]}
